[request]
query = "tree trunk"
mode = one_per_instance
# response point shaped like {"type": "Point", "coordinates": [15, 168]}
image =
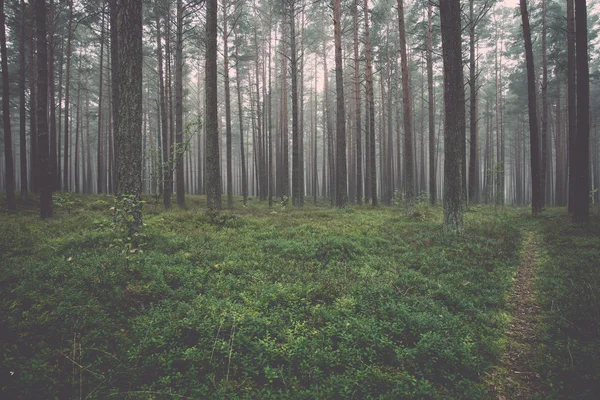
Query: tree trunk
{"type": "Point", "coordinates": [581, 160]}
{"type": "Point", "coordinates": [473, 117]}
{"type": "Point", "coordinates": [66, 169]}
{"type": "Point", "coordinates": [358, 127]}
{"type": "Point", "coordinates": [544, 165]}
{"type": "Point", "coordinates": [128, 136]}
{"type": "Point", "coordinates": [241, 116]}
{"type": "Point", "coordinates": [341, 178]}
{"type": "Point", "coordinates": [53, 150]}
{"type": "Point", "coordinates": [454, 106]}
{"type": "Point", "coordinates": [213, 184]}
{"type": "Point", "coordinates": [536, 195]}
{"type": "Point", "coordinates": [407, 117]}
{"type": "Point", "coordinates": [371, 180]}
{"type": "Point", "coordinates": [167, 176]}
{"type": "Point", "coordinates": [180, 185]}
{"type": "Point", "coordinates": [9, 170]}
{"type": "Point", "coordinates": [43, 148]}
{"type": "Point", "coordinates": [296, 176]}
{"type": "Point", "coordinates": [571, 103]}
{"type": "Point", "coordinates": [22, 106]}
{"type": "Point", "coordinates": [431, 101]}
{"type": "Point", "coordinates": [100, 159]}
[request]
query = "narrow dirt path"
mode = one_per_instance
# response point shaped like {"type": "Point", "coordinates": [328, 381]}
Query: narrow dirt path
{"type": "Point", "coordinates": [516, 378]}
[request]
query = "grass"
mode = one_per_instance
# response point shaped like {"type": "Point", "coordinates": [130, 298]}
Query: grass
{"type": "Point", "coordinates": [272, 303]}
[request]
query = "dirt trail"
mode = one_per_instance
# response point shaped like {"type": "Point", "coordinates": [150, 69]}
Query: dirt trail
{"type": "Point", "coordinates": [516, 378]}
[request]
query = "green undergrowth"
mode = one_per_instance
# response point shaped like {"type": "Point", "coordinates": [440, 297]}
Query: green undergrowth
{"type": "Point", "coordinates": [568, 292]}
{"type": "Point", "coordinates": [277, 303]}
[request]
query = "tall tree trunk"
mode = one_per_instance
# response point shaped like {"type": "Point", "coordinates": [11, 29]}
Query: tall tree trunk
{"type": "Point", "coordinates": [77, 127]}
{"type": "Point", "coordinates": [407, 117]}
{"type": "Point", "coordinates": [33, 158]}
{"type": "Point", "coordinates": [571, 103]}
{"type": "Point", "coordinates": [560, 183]}
{"type": "Point", "coordinates": [100, 159]}
{"type": "Point", "coordinates": [358, 127]}
{"type": "Point", "coordinates": [285, 167]}
{"type": "Point", "coordinates": [66, 170]}
{"type": "Point", "coordinates": [241, 116]}
{"type": "Point", "coordinates": [544, 175]}
{"type": "Point", "coordinates": [128, 136]}
{"type": "Point", "coordinates": [180, 185]}
{"type": "Point", "coordinates": [22, 105]}
{"type": "Point", "coordinates": [473, 117]}
{"type": "Point", "coordinates": [167, 176]}
{"type": "Point", "coordinates": [581, 159]}
{"type": "Point", "coordinates": [341, 178]}
{"type": "Point", "coordinates": [9, 170]}
{"type": "Point", "coordinates": [213, 184]}
{"type": "Point", "coordinates": [431, 108]}
{"type": "Point", "coordinates": [227, 107]}
{"type": "Point", "coordinates": [371, 180]}
{"type": "Point", "coordinates": [296, 176]}
{"type": "Point", "coordinates": [53, 150]}
{"type": "Point", "coordinates": [454, 106]}
{"type": "Point", "coordinates": [43, 148]}
{"type": "Point", "coordinates": [536, 195]}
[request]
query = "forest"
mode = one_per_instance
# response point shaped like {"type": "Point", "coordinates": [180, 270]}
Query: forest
{"type": "Point", "coordinates": [300, 199]}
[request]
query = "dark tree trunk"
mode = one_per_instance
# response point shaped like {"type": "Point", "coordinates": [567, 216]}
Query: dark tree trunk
{"type": "Point", "coordinates": [179, 173]}
{"type": "Point", "coordinates": [53, 150]}
{"type": "Point", "coordinates": [473, 118]}
{"type": "Point", "coordinates": [454, 106]}
{"type": "Point", "coordinates": [581, 160]}
{"type": "Point", "coordinates": [544, 171]}
{"type": "Point", "coordinates": [9, 170]}
{"type": "Point", "coordinates": [536, 195]}
{"type": "Point", "coordinates": [371, 180]}
{"type": "Point", "coordinates": [571, 102]}
{"type": "Point", "coordinates": [167, 176]}
{"type": "Point", "coordinates": [227, 110]}
{"type": "Point", "coordinates": [358, 127]}
{"type": "Point", "coordinates": [297, 184]}
{"type": "Point", "coordinates": [431, 101]}
{"type": "Point", "coordinates": [128, 136]}
{"type": "Point", "coordinates": [100, 177]}
{"type": "Point", "coordinates": [341, 178]}
{"type": "Point", "coordinates": [22, 107]}
{"type": "Point", "coordinates": [407, 117]}
{"type": "Point", "coordinates": [213, 185]}
{"type": "Point", "coordinates": [241, 117]}
{"type": "Point", "coordinates": [43, 148]}
{"type": "Point", "coordinates": [66, 169]}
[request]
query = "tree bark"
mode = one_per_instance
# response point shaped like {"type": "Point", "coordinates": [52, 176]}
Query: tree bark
{"type": "Point", "coordinates": [571, 103]}
{"type": "Point", "coordinates": [536, 195]}
{"type": "Point", "coordinates": [341, 178]}
{"type": "Point", "coordinates": [9, 169]}
{"type": "Point", "coordinates": [454, 106]}
{"type": "Point", "coordinates": [407, 117]}
{"type": "Point", "coordinates": [100, 159]}
{"type": "Point", "coordinates": [431, 110]}
{"type": "Point", "coordinates": [581, 160]}
{"type": "Point", "coordinates": [43, 148]}
{"type": "Point", "coordinates": [213, 184]}
{"type": "Point", "coordinates": [371, 181]}
{"type": "Point", "coordinates": [128, 136]}
{"type": "Point", "coordinates": [66, 169]}
{"type": "Point", "coordinates": [179, 172]}
{"type": "Point", "coordinates": [358, 127]}
{"type": "Point", "coordinates": [22, 106]}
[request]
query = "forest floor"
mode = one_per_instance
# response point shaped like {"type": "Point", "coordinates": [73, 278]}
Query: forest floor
{"type": "Point", "coordinates": [285, 303]}
{"type": "Point", "coordinates": [517, 374]}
